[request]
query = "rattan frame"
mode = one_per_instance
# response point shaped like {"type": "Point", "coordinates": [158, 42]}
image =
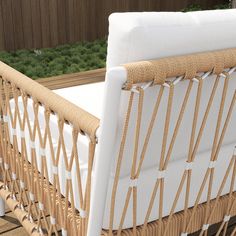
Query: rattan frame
{"type": "Point", "coordinates": [39, 204]}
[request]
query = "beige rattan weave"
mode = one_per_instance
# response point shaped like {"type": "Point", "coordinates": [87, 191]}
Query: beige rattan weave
{"type": "Point", "coordinates": [39, 203]}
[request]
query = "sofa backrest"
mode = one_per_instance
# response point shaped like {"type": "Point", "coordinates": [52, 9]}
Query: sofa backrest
{"type": "Point", "coordinates": [153, 35]}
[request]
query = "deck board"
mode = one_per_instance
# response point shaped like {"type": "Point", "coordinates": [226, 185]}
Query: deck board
{"type": "Point", "coordinates": [18, 231]}
{"type": "Point", "coordinates": [10, 226]}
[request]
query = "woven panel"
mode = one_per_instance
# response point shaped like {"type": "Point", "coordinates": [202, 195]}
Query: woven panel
{"type": "Point", "coordinates": [35, 162]}
{"type": "Point", "coordinates": [40, 151]}
{"type": "Point", "coordinates": [196, 219]}
{"type": "Point", "coordinates": [178, 218]}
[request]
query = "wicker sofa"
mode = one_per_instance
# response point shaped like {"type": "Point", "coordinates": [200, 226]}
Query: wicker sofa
{"type": "Point", "coordinates": [150, 151]}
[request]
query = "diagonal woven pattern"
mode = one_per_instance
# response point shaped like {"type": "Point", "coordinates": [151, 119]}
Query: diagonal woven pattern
{"type": "Point", "coordinates": [175, 224]}
{"type": "Point", "coordinates": [158, 72]}
{"type": "Point", "coordinates": [46, 182]}
{"type": "Point", "coordinates": [32, 168]}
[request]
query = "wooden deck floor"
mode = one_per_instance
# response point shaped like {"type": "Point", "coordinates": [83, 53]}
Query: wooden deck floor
{"type": "Point", "coordinates": [10, 226]}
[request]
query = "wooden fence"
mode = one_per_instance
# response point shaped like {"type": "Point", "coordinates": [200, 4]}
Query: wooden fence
{"type": "Point", "coordinates": [47, 23]}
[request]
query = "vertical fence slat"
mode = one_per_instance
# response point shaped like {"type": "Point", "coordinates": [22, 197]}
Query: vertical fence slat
{"type": "Point", "coordinates": [100, 13]}
{"type": "Point", "coordinates": [27, 22]}
{"type": "Point", "coordinates": [61, 14]}
{"type": "Point", "coordinates": [44, 9]}
{"type": "Point", "coordinates": [17, 24]}
{"type": "Point", "coordinates": [53, 22]}
{"type": "Point", "coordinates": [93, 18]}
{"type": "Point", "coordinates": [80, 20]}
{"type": "Point", "coordinates": [36, 24]}
{"type": "Point", "coordinates": [70, 20]}
{"type": "Point", "coordinates": [8, 25]}
{"type": "Point", "coordinates": [2, 43]}
{"type": "Point", "coordinates": [46, 23]}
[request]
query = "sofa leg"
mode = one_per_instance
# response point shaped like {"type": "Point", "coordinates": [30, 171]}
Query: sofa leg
{"type": "Point", "coordinates": [2, 207]}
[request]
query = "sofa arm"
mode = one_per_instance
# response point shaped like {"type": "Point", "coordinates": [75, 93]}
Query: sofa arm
{"type": "Point", "coordinates": [67, 111]}
{"type": "Point", "coordinates": [48, 161]}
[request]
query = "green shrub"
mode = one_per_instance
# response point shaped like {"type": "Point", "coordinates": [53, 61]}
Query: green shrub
{"type": "Point", "coordinates": [223, 6]}
{"type": "Point", "coordinates": [193, 7]}
{"type": "Point", "coordinates": [73, 68]}
{"type": "Point", "coordinates": [198, 7]}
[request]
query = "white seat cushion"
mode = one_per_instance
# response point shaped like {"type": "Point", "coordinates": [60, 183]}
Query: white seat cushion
{"type": "Point", "coordinates": [88, 97]}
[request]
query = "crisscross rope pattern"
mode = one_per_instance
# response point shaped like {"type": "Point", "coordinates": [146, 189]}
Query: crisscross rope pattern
{"type": "Point", "coordinates": [200, 216]}
{"type": "Point", "coordinates": [46, 182]}
{"type": "Point", "coordinates": [42, 178]}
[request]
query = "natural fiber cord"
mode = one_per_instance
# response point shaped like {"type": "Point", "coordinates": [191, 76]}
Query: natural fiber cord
{"type": "Point", "coordinates": [188, 66]}
{"type": "Point", "coordinates": [37, 199]}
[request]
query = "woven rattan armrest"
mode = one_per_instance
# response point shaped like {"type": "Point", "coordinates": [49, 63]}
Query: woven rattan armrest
{"type": "Point", "coordinates": [81, 119]}
{"type": "Point", "coordinates": [18, 94]}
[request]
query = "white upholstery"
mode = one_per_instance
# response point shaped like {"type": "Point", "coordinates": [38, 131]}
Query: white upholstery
{"type": "Point", "coordinates": [152, 35]}
{"type": "Point", "coordinates": [88, 97]}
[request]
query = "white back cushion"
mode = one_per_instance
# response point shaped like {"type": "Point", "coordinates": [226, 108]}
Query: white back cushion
{"type": "Point", "coordinates": [141, 36]}
{"type": "Point", "coordinates": [152, 35]}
